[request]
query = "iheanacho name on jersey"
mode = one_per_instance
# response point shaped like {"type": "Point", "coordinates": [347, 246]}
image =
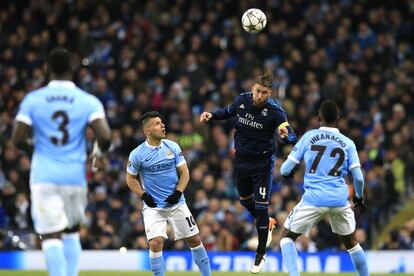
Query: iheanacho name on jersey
{"type": "Point", "coordinates": [327, 136]}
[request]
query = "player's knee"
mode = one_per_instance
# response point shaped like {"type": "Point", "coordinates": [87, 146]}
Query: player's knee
{"type": "Point", "coordinates": [156, 244]}
{"type": "Point", "coordinates": [247, 202]}
{"type": "Point", "coordinates": [290, 235]}
{"type": "Point", "coordinates": [193, 241]}
{"type": "Point", "coordinates": [73, 229]}
{"type": "Point", "coordinates": [349, 241]}
{"type": "Point", "coordinates": [247, 198]}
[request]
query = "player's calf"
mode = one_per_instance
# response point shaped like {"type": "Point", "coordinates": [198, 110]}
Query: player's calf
{"type": "Point", "coordinates": [262, 226]}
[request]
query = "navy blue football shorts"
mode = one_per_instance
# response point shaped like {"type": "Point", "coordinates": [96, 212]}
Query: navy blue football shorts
{"type": "Point", "coordinates": [254, 177]}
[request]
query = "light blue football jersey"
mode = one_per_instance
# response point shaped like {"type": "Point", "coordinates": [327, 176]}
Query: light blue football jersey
{"type": "Point", "coordinates": [157, 169]}
{"type": "Point", "coordinates": [328, 155]}
{"type": "Point", "coordinates": [59, 114]}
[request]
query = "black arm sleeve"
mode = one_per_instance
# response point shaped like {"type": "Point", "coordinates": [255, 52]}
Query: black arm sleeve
{"type": "Point", "coordinates": [291, 139]}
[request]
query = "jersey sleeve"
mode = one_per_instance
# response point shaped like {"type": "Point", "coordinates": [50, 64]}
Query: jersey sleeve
{"type": "Point", "coordinates": [133, 165]}
{"type": "Point", "coordinates": [281, 119]}
{"type": "Point", "coordinates": [353, 159]}
{"type": "Point", "coordinates": [97, 110]}
{"type": "Point", "coordinates": [24, 114]}
{"type": "Point", "coordinates": [298, 150]}
{"type": "Point", "coordinates": [226, 112]}
{"type": "Point", "coordinates": [179, 157]}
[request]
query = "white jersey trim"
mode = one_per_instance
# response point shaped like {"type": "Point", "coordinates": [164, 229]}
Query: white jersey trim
{"type": "Point", "coordinates": [61, 83]}
{"type": "Point", "coordinates": [330, 129]}
{"type": "Point", "coordinates": [354, 166]}
{"type": "Point", "coordinates": [290, 157]}
{"type": "Point", "coordinates": [181, 163]}
{"type": "Point", "coordinates": [131, 172]}
{"type": "Point", "coordinates": [96, 115]}
{"type": "Point", "coordinates": [24, 119]}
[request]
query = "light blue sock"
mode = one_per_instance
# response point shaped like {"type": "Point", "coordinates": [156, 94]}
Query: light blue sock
{"type": "Point", "coordinates": [55, 259]}
{"type": "Point", "coordinates": [157, 263]}
{"type": "Point", "coordinates": [290, 256]}
{"type": "Point", "coordinates": [359, 260]}
{"type": "Point", "coordinates": [72, 249]}
{"type": "Point", "coordinates": [201, 259]}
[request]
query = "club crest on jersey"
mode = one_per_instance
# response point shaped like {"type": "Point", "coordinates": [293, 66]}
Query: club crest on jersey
{"type": "Point", "coordinates": [169, 153]}
{"type": "Point", "coordinates": [264, 112]}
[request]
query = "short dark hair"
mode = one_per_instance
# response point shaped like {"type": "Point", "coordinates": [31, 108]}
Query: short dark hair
{"type": "Point", "coordinates": [265, 79]}
{"type": "Point", "coordinates": [60, 62]}
{"type": "Point", "coordinates": [329, 111]}
{"type": "Point", "coordinates": [147, 116]}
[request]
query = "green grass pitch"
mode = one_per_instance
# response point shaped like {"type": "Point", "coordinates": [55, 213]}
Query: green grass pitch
{"type": "Point", "coordinates": [139, 273]}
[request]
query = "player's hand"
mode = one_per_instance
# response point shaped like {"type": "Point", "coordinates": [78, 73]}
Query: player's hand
{"type": "Point", "coordinates": [359, 204]}
{"type": "Point", "coordinates": [283, 132]}
{"type": "Point", "coordinates": [290, 175]}
{"type": "Point", "coordinates": [149, 200]}
{"type": "Point", "coordinates": [205, 116]}
{"type": "Point", "coordinates": [174, 197]}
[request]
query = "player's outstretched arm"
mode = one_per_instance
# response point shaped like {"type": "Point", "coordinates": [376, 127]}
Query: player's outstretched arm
{"type": "Point", "coordinates": [221, 114]}
{"type": "Point", "coordinates": [287, 169]}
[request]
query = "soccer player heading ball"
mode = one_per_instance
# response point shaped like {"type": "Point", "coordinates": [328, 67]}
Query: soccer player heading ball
{"type": "Point", "coordinates": [258, 118]}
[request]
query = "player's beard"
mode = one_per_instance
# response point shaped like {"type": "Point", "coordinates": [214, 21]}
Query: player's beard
{"type": "Point", "coordinates": [258, 104]}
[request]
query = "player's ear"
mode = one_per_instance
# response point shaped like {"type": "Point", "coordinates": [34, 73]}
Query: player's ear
{"type": "Point", "coordinates": [147, 131]}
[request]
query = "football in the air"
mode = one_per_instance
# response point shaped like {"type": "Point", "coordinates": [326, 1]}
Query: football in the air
{"type": "Point", "coordinates": [253, 20]}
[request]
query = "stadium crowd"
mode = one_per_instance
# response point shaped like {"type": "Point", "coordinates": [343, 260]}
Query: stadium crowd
{"type": "Point", "coordinates": [182, 57]}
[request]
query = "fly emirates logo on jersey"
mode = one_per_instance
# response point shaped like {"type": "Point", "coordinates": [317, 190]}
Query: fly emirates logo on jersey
{"type": "Point", "coordinates": [248, 120]}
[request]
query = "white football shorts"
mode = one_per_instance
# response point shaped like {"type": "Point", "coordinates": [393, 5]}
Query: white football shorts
{"type": "Point", "coordinates": [56, 207]}
{"type": "Point", "coordinates": [180, 218]}
{"type": "Point", "coordinates": [303, 217]}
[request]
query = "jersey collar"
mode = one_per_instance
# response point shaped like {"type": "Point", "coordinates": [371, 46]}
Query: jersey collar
{"type": "Point", "coordinates": [330, 129]}
{"type": "Point", "coordinates": [61, 83]}
{"type": "Point", "coordinates": [151, 146]}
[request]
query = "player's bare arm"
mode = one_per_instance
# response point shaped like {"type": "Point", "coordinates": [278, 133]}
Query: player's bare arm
{"type": "Point", "coordinates": [134, 184]}
{"type": "Point", "coordinates": [101, 129]}
{"type": "Point", "coordinates": [184, 177]}
{"type": "Point", "coordinates": [205, 116]}
{"type": "Point", "coordinates": [20, 133]}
